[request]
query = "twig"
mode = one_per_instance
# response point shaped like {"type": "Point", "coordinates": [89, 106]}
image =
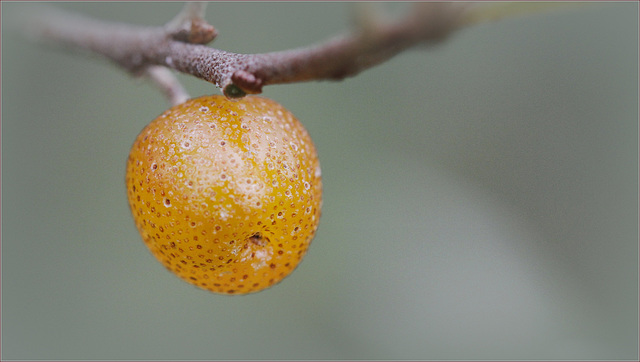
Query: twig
{"type": "Point", "coordinates": [168, 83]}
{"type": "Point", "coordinates": [179, 45]}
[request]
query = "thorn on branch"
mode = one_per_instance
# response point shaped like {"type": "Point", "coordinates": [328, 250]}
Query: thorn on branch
{"type": "Point", "coordinates": [198, 33]}
{"type": "Point", "coordinates": [247, 82]}
{"type": "Point", "coordinates": [189, 25]}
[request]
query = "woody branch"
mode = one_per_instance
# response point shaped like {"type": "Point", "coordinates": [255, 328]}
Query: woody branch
{"type": "Point", "coordinates": [180, 45]}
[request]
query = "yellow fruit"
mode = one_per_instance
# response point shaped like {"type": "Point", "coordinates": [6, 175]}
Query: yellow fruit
{"type": "Point", "coordinates": [226, 193]}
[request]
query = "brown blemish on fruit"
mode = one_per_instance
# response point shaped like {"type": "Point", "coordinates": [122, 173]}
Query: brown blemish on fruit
{"type": "Point", "coordinates": [258, 239]}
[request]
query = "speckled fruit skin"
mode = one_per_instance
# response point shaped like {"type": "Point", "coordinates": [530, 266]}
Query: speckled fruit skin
{"type": "Point", "coordinates": [226, 194]}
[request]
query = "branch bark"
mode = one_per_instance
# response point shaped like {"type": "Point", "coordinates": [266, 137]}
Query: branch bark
{"type": "Point", "coordinates": [180, 45]}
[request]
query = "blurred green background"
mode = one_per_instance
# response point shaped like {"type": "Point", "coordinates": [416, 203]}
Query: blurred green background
{"type": "Point", "coordinates": [481, 198]}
